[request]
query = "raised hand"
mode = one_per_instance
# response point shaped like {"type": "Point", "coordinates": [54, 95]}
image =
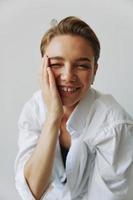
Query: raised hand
{"type": "Point", "coordinates": [50, 92]}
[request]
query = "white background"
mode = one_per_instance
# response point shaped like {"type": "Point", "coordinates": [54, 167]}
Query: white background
{"type": "Point", "coordinates": [22, 24]}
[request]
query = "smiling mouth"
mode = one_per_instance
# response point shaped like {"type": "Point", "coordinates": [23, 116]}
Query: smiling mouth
{"type": "Point", "coordinates": [70, 90]}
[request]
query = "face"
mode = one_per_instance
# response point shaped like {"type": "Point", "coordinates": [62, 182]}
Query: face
{"type": "Point", "coordinates": [72, 61]}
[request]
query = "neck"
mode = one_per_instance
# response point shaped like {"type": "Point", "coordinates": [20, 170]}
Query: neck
{"type": "Point", "coordinates": [67, 112]}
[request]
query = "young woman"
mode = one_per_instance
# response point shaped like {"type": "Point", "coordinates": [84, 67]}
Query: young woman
{"type": "Point", "coordinates": [74, 142]}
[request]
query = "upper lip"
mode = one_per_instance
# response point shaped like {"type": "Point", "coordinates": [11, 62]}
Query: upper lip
{"type": "Point", "coordinates": [68, 86]}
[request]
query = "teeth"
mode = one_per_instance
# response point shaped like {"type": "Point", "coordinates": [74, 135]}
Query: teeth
{"type": "Point", "coordinates": [66, 89]}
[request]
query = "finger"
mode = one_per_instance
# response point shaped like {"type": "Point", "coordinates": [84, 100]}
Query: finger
{"type": "Point", "coordinates": [52, 81]}
{"type": "Point", "coordinates": [45, 78]}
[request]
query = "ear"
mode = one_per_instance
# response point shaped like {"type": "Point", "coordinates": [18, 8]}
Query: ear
{"type": "Point", "coordinates": [95, 71]}
{"type": "Point", "coordinates": [95, 68]}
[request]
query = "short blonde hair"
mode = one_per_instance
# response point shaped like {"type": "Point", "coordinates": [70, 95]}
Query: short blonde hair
{"type": "Point", "coordinates": [72, 26]}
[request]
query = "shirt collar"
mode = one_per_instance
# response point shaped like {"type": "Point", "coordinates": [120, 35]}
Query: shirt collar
{"type": "Point", "coordinates": [77, 119]}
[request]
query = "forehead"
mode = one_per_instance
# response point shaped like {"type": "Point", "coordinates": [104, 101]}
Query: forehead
{"type": "Point", "coordinates": [70, 47]}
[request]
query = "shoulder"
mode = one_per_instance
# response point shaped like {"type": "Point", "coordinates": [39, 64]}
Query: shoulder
{"type": "Point", "coordinates": [34, 108]}
{"type": "Point", "coordinates": [114, 110]}
{"type": "Point", "coordinates": [107, 121]}
{"type": "Point", "coordinates": [107, 106]}
{"type": "Point", "coordinates": [35, 102]}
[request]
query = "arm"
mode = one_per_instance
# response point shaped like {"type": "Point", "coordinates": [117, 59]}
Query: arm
{"type": "Point", "coordinates": [38, 168]}
{"type": "Point", "coordinates": [113, 170]}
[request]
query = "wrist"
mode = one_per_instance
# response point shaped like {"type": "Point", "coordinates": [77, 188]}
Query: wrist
{"type": "Point", "coordinates": [52, 119]}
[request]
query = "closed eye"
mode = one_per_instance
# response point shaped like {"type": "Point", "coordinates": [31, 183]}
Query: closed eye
{"type": "Point", "coordinates": [55, 65]}
{"type": "Point", "coordinates": [79, 66]}
{"type": "Point", "coordinates": [83, 66]}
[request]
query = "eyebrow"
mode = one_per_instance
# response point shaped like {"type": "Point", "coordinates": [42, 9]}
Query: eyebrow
{"type": "Point", "coordinates": [79, 59]}
{"type": "Point", "coordinates": [56, 58]}
{"type": "Point", "coordinates": [83, 59]}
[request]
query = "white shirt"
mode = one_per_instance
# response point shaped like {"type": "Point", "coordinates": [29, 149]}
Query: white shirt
{"type": "Point", "coordinates": [99, 163]}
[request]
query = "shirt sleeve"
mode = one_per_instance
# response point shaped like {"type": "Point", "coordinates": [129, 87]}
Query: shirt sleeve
{"type": "Point", "coordinates": [112, 176]}
{"type": "Point", "coordinates": [29, 131]}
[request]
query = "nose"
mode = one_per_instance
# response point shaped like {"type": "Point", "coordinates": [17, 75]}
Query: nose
{"type": "Point", "coordinates": [68, 73]}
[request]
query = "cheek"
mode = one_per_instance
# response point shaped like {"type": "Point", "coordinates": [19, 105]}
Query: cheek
{"type": "Point", "coordinates": [55, 72]}
{"type": "Point", "coordinates": [86, 79]}
{"type": "Point", "coordinates": [86, 82]}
